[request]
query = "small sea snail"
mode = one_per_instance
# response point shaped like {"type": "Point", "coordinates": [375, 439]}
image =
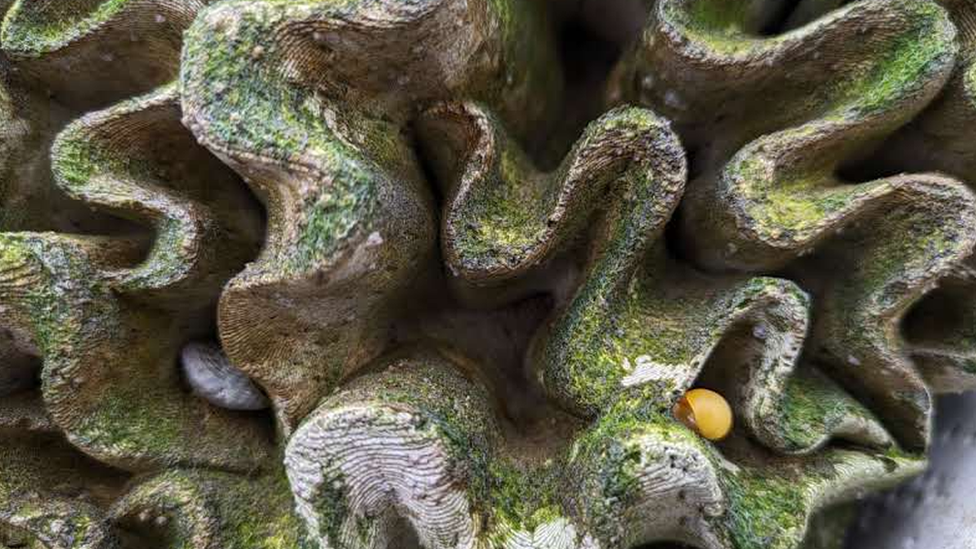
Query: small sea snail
{"type": "Point", "coordinates": [705, 412]}
{"type": "Point", "coordinates": [214, 378]}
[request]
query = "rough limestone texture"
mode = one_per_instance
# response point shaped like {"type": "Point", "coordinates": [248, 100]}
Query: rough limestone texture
{"type": "Point", "coordinates": [390, 274]}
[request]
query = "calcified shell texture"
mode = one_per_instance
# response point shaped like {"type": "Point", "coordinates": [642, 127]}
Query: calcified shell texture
{"type": "Point", "coordinates": [389, 274]}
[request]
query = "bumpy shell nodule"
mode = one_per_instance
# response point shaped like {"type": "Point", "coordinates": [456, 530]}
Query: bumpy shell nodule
{"type": "Point", "coordinates": [213, 377]}
{"type": "Point", "coordinates": [458, 293]}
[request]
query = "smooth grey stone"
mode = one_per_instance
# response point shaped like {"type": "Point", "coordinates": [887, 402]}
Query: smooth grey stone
{"type": "Point", "coordinates": [214, 378]}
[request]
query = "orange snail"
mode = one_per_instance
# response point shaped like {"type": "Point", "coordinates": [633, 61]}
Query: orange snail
{"type": "Point", "coordinates": [705, 412]}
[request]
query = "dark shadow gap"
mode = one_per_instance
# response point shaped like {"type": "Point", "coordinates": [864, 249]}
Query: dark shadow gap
{"type": "Point", "coordinates": [867, 167]}
{"type": "Point", "coordinates": [404, 536]}
{"type": "Point", "coordinates": [933, 318]}
{"type": "Point", "coordinates": [586, 59]}
{"type": "Point", "coordinates": [20, 364]}
{"type": "Point", "coordinates": [777, 21]}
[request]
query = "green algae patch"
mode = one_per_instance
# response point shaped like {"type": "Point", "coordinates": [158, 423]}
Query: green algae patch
{"type": "Point", "coordinates": [505, 221]}
{"type": "Point", "coordinates": [522, 498]}
{"type": "Point", "coordinates": [212, 507]}
{"type": "Point", "coordinates": [47, 271]}
{"type": "Point", "coordinates": [124, 423]}
{"type": "Point", "coordinates": [790, 209]}
{"type": "Point", "coordinates": [810, 405]}
{"type": "Point", "coordinates": [765, 512]}
{"type": "Point", "coordinates": [331, 507]}
{"type": "Point", "coordinates": [260, 514]}
{"type": "Point", "coordinates": [722, 26]}
{"type": "Point", "coordinates": [720, 16]}
{"type": "Point", "coordinates": [605, 461]}
{"type": "Point", "coordinates": [638, 412]}
{"type": "Point", "coordinates": [907, 65]}
{"type": "Point", "coordinates": [33, 27]}
{"type": "Point", "coordinates": [246, 112]}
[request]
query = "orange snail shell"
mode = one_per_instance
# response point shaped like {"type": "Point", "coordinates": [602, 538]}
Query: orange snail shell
{"type": "Point", "coordinates": [705, 412]}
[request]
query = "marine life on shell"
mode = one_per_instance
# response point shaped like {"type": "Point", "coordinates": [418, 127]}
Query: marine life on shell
{"type": "Point", "coordinates": [213, 377]}
{"type": "Point", "coordinates": [473, 263]}
{"type": "Point", "coordinates": [705, 412]}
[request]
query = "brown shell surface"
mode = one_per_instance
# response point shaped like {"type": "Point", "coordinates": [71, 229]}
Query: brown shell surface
{"type": "Point", "coordinates": [456, 261]}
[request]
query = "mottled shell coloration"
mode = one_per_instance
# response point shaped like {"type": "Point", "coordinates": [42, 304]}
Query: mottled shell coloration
{"type": "Point", "coordinates": [213, 377]}
{"type": "Point", "coordinates": [471, 268]}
